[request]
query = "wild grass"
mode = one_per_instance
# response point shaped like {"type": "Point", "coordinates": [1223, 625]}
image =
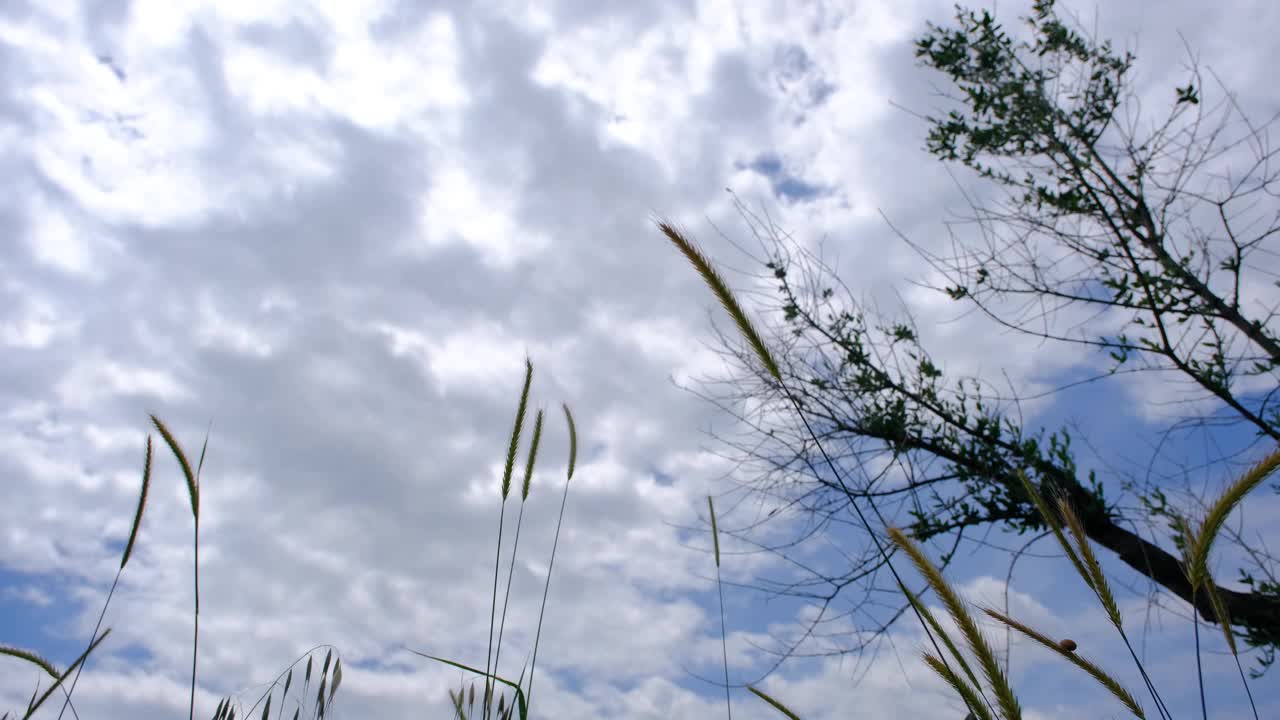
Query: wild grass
{"type": "Point", "coordinates": [986, 692]}
{"type": "Point", "coordinates": [228, 708]}
{"type": "Point", "coordinates": [1058, 515]}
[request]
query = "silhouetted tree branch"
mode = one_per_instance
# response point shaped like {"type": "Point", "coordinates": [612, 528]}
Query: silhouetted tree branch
{"type": "Point", "coordinates": [1153, 236]}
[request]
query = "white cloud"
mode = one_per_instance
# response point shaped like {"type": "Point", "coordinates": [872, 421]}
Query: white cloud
{"type": "Point", "coordinates": [331, 234]}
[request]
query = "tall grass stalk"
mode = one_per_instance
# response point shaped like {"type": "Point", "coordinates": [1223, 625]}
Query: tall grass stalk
{"type": "Point", "coordinates": [724, 636]}
{"type": "Point", "coordinates": [520, 703]}
{"type": "Point", "coordinates": [573, 456]}
{"type": "Point", "coordinates": [193, 491]}
{"type": "Point", "coordinates": [497, 555]}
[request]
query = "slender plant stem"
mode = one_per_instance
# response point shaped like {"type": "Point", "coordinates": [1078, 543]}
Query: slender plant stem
{"type": "Point", "coordinates": [545, 588]}
{"type": "Point", "coordinates": [493, 609]}
{"type": "Point", "coordinates": [724, 648]}
{"type": "Point", "coordinates": [506, 601]}
{"type": "Point", "coordinates": [195, 629]}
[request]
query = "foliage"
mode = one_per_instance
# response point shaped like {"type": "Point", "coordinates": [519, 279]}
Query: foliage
{"type": "Point", "coordinates": [1145, 233]}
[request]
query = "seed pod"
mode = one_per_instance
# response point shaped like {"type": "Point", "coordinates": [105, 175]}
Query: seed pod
{"type": "Point", "coordinates": [1068, 645]}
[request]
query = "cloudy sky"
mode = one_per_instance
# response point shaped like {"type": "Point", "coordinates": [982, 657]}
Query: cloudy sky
{"type": "Point", "coordinates": [331, 234]}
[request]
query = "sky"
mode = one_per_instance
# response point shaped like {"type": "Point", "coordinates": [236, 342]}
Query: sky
{"type": "Point", "coordinates": [329, 236]}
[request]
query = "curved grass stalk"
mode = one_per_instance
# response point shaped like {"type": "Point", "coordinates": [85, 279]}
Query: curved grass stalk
{"type": "Point", "coordinates": [573, 457]}
{"type": "Point", "coordinates": [193, 491]}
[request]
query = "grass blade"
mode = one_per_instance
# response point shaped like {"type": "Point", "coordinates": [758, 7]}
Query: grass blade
{"type": "Point", "coordinates": [724, 642]}
{"type": "Point", "coordinates": [520, 698]}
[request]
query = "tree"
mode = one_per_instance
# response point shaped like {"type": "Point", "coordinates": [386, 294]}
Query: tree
{"type": "Point", "coordinates": [1151, 234]}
